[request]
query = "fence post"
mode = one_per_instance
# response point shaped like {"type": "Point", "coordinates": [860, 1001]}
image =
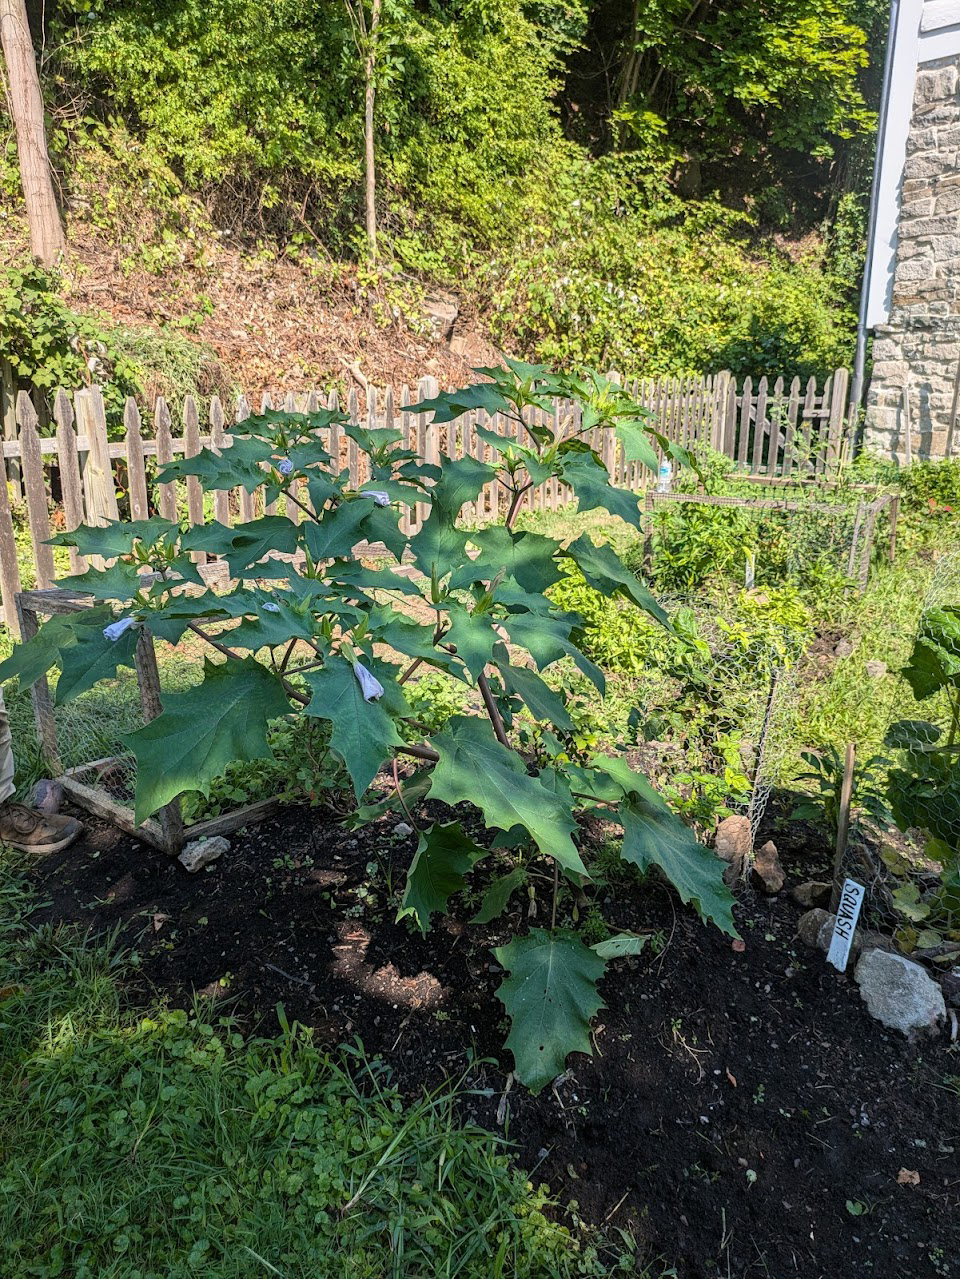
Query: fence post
{"type": "Point", "coordinates": [8, 406]}
{"type": "Point", "coordinates": [35, 490]}
{"type": "Point", "coordinates": [98, 486]}
{"type": "Point", "coordinates": [9, 568]}
{"type": "Point", "coordinates": [70, 483]}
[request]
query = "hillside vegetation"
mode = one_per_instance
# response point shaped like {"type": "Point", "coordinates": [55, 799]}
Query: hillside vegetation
{"type": "Point", "coordinates": [664, 186]}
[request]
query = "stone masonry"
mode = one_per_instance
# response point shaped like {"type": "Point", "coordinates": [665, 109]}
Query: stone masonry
{"type": "Point", "coordinates": [920, 347]}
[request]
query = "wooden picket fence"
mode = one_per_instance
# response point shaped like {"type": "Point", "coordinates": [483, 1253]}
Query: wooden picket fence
{"type": "Point", "coordinates": [78, 474]}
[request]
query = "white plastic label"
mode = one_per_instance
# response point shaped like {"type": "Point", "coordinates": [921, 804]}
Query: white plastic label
{"type": "Point", "coordinates": [848, 912]}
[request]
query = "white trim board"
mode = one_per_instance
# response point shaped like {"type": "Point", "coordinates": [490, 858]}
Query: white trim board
{"type": "Point", "coordinates": [926, 31]}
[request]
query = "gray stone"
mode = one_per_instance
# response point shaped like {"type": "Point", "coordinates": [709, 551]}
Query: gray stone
{"type": "Point", "coordinates": [875, 669]}
{"type": "Point", "coordinates": [935, 86]}
{"type": "Point", "coordinates": [202, 852]}
{"type": "Point", "coordinates": [914, 269]}
{"type": "Point", "coordinates": [814, 893]}
{"type": "Point", "coordinates": [815, 924]}
{"type": "Point", "coordinates": [402, 830]}
{"type": "Point", "coordinates": [47, 797]}
{"type": "Point", "coordinates": [767, 871]}
{"type": "Point", "coordinates": [900, 994]}
{"type": "Point", "coordinates": [442, 312]}
{"type": "Point", "coordinates": [734, 839]}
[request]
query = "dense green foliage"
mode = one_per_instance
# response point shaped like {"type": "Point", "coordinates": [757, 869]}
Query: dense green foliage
{"type": "Point", "coordinates": [584, 244]}
{"type": "Point", "coordinates": [310, 613]}
{"type": "Point", "coordinates": [140, 1144]}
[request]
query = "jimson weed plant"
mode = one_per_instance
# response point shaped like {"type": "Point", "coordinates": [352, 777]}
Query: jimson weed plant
{"type": "Point", "coordinates": [311, 630]}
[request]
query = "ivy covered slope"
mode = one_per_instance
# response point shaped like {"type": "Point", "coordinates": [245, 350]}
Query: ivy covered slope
{"type": "Point", "coordinates": [305, 629]}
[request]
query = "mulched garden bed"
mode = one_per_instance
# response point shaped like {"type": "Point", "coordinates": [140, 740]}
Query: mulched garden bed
{"type": "Point", "coordinates": [743, 1116]}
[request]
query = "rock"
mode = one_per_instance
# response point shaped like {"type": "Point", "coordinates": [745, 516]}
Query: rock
{"type": "Point", "coordinates": [402, 830]}
{"type": "Point", "coordinates": [815, 924]}
{"type": "Point", "coordinates": [441, 312]}
{"type": "Point", "coordinates": [815, 929]}
{"type": "Point", "coordinates": [47, 797]}
{"type": "Point", "coordinates": [767, 872]}
{"type": "Point", "coordinates": [734, 839]}
{"type": "Point", "coordinates": [812, 893]}
{"type": "Point", "coordinates": [844, 648]}
{"type": "Point", "coordinates": [875, 669]}
{"type": "Point", "coordinates": [900, 994]}
{"type": "Point", "coordinates": [734, 845]}
{"type": "Point", "coordinates": [202, 852]}
{"type": "Point", "coordinates": [950, 985]}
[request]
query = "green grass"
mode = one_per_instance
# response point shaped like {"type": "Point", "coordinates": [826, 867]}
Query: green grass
{"type": "Point", "coordinates": [158, 1145]}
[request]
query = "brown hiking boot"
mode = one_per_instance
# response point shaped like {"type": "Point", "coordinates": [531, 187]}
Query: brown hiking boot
{"type": "Point", "coordinates": [34, 832]}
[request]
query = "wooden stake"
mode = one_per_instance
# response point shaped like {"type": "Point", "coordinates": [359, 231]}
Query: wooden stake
{"type": "Point", "coordinates": [843, 822]}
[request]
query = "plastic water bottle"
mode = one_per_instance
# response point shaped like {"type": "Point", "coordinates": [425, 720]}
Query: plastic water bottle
{"type": "Point", "coordinates": [665, 477]}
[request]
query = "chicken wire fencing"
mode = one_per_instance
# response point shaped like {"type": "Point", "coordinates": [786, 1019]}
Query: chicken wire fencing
{"type": "Point", "coordinates": [904, 836]}
{"type": "Point", "coordinates": [81, 742]}
{"type": "Point", "coordinates": [691, 537]}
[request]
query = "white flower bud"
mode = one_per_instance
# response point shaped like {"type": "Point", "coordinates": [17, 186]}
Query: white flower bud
{"type": "Point", "coordinates": [116, 629]}
{"type": "Point", "coordinates": [369, 684]}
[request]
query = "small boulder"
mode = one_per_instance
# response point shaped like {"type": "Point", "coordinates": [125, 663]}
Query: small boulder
{"type": "Point", "coordinates": [814, 926]}
{"type": "Point", "coordinates": [815, 929]}
{"type": "Point", "coordinates": [202, 852]}
{"type": "Point", "coordinates": [814, 892]}
{"type": "Point", "coordinates": [844, 648]}
{"type": "Point", "coordinates": [875, 669]}
{"type": "Point", "coordinates": [47, 797]}
{"type": "Point", "coordinates": [402, 830]}
{"type": "Point", "coordinates": [900, 994]}
{"type": "Point", "coordinates": [767, 872]}
{"type": "Point", "coordinates": [734, 840]}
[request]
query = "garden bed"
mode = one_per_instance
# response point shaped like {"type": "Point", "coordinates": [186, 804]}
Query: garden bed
{"type": "Point", "coordinates": [742, 1116]}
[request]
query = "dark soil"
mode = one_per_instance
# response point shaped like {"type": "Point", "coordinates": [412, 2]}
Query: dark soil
{"type": "Point", "coordinates": [743, 1116]}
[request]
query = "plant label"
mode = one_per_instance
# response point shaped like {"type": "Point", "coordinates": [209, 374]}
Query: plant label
{"type": "Point", "coordinates": [848, 912]}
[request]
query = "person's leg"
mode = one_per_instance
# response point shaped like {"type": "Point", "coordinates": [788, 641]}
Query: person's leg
{"type": "Point", "coordinates": [23, 827]}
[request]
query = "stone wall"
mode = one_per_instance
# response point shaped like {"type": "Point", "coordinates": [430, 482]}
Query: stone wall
{"type": "Point", "coordinates": [920, 347]}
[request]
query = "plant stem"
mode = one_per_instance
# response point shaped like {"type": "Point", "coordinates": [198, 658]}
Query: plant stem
{"type": "Point", "coordinates": [955, 723]}
{"type": "Point", "coordinates": [515, 503]}
{"type": "Point", "coordinates": [556, 894]}
{"type": "Point", "coordinates": [492, 710]}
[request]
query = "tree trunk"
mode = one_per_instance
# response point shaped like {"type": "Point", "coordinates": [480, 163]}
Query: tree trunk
{"type": "Point", "coordinates": [370, 173]}
{"type": "Point", "coordinates": [26, 108]}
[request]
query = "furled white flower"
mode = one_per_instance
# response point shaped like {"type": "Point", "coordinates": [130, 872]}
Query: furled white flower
{"type": "Point", "coordinates": [377, 495]}
{"type": "Point", "coordinates": [369, 684]}
{"type": "Point", "coordinates": [285, 466]}
{"type": "Point", "coordinates": [116, 629]}
{"type": "Point", "coordinates": [270, 608]}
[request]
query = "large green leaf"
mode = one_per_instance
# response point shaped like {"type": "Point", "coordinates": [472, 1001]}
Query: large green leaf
{"type": "Point", "coordinates": [498, 894]}
{"type": "Point", "coordinates": [92, 658]}
{"type": "Point", "coordinates": [363, 733]}
{"type": "Point", "coordinates": [935, 661]}
{"type": "Point", "coordinates": [541, 700]}
{"type": "Point", "coordinates": [251, 543]}
{"type": "Point", "coordinates": [239, 466]}
{"type": "Point", "coordinates": [634, 435]}
{"type": "Point", "coordinates": [444, 855]}
{"type": "Point", "coordinates": [621, 944]}
{"type": "Point", "coordinates": [590, 481]}
{"type": "Point", "coordinates": [460, 481]}
{"type": "Point", "coordinates": [402, 633]}
{"type": "Point", "coordinates": [526, 557]}
{"type": "Point", "coordinates": [117, 537]}
{"type": "Point", "coordinates": [32, 659]}
{"type": "Point", "coordinates": [550, 997]}
{"type": "Point", "coordinates": [338, 531]}
{"type": "Point", "coordinates": [602, 568]}
{"type": "Point", "coordinates": [546, 637]}
{"type": "Point", "coordinates": [652, 835]}
{"type": "Point", "coordinates": [473, 636]}
{"type": "Point", "coordinates": [121, 581]}
{"type": "Point", "coordinates": [475, 768]}
{"type": "Point", "coordinates": [438, 547]}
{"type": "Point", "coordinates": [449, 405]}
{"type": "Point", "coordinates": [201, 731]}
